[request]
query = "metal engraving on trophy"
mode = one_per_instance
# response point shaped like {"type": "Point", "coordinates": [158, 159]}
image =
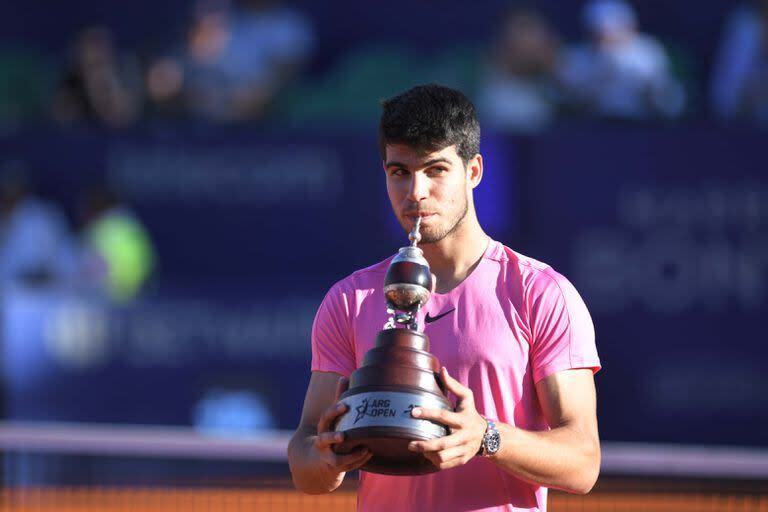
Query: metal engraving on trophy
{"type": "Point", "coordinates": [396, 375]}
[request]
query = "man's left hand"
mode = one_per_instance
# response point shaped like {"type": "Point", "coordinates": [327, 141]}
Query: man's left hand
{"type": "Point", "coordinates": [466, 424]}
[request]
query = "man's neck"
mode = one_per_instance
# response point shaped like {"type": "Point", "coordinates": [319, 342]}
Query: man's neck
{"type": "Point", "coordinates": [454, 257]}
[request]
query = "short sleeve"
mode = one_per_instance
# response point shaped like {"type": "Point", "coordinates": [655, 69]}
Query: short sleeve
{"type": "Point", "coordinates": [332, 346]}
{"type": "Point", "coordinates": [563, 336]}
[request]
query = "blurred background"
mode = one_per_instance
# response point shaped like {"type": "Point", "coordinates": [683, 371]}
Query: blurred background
{"type": "Point", "coordinates": [182, 181]}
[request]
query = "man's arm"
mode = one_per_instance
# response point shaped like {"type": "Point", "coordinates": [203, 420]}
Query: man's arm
{"type": "Point", "coordinates": [315, 468]}
{"type": "Point", "coordinates": [566, 457]}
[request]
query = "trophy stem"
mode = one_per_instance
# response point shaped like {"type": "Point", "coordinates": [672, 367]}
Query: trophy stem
{"type": "Point", "coordinates": [415, 236]}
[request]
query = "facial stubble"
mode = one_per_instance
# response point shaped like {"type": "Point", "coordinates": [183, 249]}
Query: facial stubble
{"type": "Point", "coordinates": [430, 237]}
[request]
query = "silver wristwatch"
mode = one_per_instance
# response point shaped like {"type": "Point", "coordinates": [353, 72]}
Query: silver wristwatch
{"type": "Point", "coordinates": [491, 440]}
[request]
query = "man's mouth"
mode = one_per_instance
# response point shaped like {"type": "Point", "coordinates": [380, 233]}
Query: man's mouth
{"type": "Point", "coordinates": [423, 215]}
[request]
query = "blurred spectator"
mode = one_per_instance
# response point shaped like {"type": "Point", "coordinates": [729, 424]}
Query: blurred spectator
{"type": "Point", "coordinates": [35, 242]}
{"type": "Point", "coordinates": [234, 61]}
{"type": "Point", "coordinates": [118, 253]}
{"type": "Point", "coordinates": [740, 76]}
{"type": "Point", "coordinates": [620, 73]}
{"type": "Point", "coordinates": [98, 84]}
{"type": "Point", "coordinates": [519, 93]}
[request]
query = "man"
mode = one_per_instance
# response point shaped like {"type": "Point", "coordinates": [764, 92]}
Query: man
{"type": "Point", "coordinates": [515, 339]}
{"type": "Point", "coordinates": [35, 241]}
{"type": "Point", "coordinates": [620, 73]}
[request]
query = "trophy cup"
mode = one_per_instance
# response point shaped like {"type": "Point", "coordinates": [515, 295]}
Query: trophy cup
{"type": "Point", "coordinates": [396, 375]}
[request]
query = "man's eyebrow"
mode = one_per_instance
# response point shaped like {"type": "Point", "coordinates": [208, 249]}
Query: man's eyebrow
{"type": "Point", "coordinates": [393, 163]}
{"type": "Point", "coordinates": [428, 163]}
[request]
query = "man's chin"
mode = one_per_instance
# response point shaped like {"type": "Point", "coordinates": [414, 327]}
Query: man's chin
{"type": "Point", "coordinates": [428, 233]}
{"type": "Point", "coordinates": [429, 236]}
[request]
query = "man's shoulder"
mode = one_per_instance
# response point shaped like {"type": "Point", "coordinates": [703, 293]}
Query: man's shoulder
{"type": "Point", "coordinates": [513, 259]}
{"type": "Point", "coordinates": [531, 273]}
{"type": "Point", "coordinates": [372, 271]}
{"type": "Point", "coordinates": [365, 278]}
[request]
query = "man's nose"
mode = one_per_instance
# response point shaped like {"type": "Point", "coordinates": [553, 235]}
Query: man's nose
{"type": "Point", "coordinates": [419, 187]}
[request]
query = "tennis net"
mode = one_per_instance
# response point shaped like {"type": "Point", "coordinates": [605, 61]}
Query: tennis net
{"type": "Point", "coordinates": [105, 468]}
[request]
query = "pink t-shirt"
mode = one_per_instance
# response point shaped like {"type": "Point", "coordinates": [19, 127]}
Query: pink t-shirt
{"type": "Point", "coordinates": [513, 322]}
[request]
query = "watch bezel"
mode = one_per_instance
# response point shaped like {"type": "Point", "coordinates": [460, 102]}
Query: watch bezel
{"type": "Point", "coordinates": [491, 439]}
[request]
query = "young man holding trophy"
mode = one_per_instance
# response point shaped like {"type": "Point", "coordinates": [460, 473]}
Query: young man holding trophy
{"type": "Point", "coordinates": [478, 393]}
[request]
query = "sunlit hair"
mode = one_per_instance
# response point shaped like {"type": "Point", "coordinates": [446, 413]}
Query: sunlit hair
{"type": "Point", "coordinates": [430, 118]}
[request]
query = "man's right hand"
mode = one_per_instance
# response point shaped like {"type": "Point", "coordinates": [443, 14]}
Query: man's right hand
{"type": "Point", "coordinates": [326, 438]}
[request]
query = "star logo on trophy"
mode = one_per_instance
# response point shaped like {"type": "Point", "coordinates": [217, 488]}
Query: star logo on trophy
{"type": "Point", "coordinates": [361, 410]}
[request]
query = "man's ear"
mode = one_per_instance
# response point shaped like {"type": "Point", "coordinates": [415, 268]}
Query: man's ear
{"type": "Point", "coordinates": [475, 170]}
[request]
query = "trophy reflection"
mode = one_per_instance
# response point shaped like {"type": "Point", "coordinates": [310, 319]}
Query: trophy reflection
{"type": "Point", "coordinates": [396, 375]}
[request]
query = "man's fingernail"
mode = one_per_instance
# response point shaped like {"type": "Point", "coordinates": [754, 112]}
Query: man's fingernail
{"type": "Point", "coordinates": [340, 407]}
{"type": "Point", "coordinates": [416, 412]}
{"type": "Point", "coordinates": [412, 447]}
{"type": "Point", "coordinates": [339, 436]}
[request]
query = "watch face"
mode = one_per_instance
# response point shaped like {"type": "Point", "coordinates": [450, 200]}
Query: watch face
{"type": "Point", "coordinates": [492, 443]}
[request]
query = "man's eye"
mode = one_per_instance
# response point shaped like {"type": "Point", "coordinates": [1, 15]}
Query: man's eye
{"type": "Point", "coordinates": [400, 172]}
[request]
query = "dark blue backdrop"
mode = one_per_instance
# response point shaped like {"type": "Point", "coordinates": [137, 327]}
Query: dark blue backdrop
{"type": "Point", "coordinates": [663, 230]}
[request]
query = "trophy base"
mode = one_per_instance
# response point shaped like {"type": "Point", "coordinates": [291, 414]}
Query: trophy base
{"type": "Point", "coordinates": [389, 446]}
{"type": "Point", "coordinates": [380, 420]}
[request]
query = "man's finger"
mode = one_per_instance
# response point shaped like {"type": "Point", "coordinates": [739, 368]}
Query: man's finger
{"type": "Point", "coordinates": [350, 461]}
{"type": "Point", "coordinates": [436, 445]}
{"type": "Point", "coordinates": [360, 462]}
{"type": "Point", "coordinates": [444, 460]}
{"type": "Point", "coordinates": [462, 392]}
{"type": "Point", "coordinates": [448, 455]}
{"type": "Point", "coordinates": [341, 387]}
{"type": "Point", "coordinates": [452, 463]}
{"type": "Point", "coordinates": [326, 439]}
{"type": "Point", "coordinates": [329, 415]}
{"type": "Point", "coordinates": [442, 416]}
{"type": "Point", "coordinates": [431, 457]}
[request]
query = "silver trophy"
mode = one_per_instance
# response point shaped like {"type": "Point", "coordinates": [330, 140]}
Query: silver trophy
{"type": "Point", "coordinates": [396, 375]}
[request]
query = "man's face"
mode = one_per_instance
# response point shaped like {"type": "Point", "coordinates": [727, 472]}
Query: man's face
{"type": "Point", "coordinates": [432, 185]}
